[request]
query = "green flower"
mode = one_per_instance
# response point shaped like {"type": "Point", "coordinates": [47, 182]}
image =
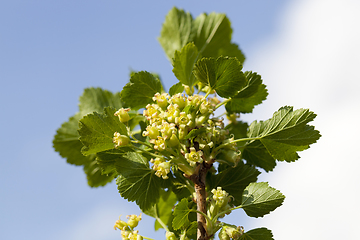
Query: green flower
{"type": "Point", "coordinates": [123, 115]}
{"type": "Point", "coordinates": [120, 140]}
{"type": "Point", "coordinates": [194, 156]}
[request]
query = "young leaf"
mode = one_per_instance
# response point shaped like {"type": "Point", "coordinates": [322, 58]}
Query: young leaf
{"type": "Point", "coordinates": [222, 75]}
{"type": "Point", "coordinates": [181, 213]}
{"type": "Point", "coordinates": [176, 31]}
{"type": "Point", "coordinates": [184, 63]}
{"type": "Point", "coordinates": [234, 180]}
{"type": "Point", "coordinates": [285, 133]}
{"type": "Point", "coordinates": [257, 234]}
{"type": "Point", "coordinates": [140, 90]}
{"type": "Point", "coordinates": [97, 131]}
{"type": "Point", "coordinates": [252, 94]}
{"type": "Point", "coordinates": [137, 182]}
{"type": "Point", "coordinates": [259, 199]}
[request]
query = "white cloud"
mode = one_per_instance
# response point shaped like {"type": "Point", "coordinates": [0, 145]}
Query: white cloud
{"type": "Point", "coordinates": [313, 63]}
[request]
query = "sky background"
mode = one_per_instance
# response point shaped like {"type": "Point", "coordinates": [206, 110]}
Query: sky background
{"type": "Point", "coordinates": [307, 52]}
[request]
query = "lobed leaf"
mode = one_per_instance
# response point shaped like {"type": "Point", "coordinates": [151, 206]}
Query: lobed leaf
{"type": "Point", "coordinates": [66, 140]}
{"type": "Point", "coordinates": [252, 94]}
{"type": "Point", "coordinates": [257, 234]}
{"type": "Point", "coordinates": [280, 137]}
{"type": "Point", "coordinates": [140, 90]}
{"type": "Point", "coordinates": [136, 181]}
{"type": "Point", "coordinates": [211, 34]}
{"type": "Point", "coordinates": [96, 99]}
{"type": "Point", "coordinates": [95, 175]}
{"type": "Point", "coordinates": [67, 143]}
{"type": "Point", "coordinates": [176, 31]}
{"type": "Point", "coordinates": [259, 199]}
{"type": "Point", "coordinates": [222, 75]}
{"type": "Point", "coordinates": [184, 62]}
{"type": "Point", "coordinates": [97, 131]}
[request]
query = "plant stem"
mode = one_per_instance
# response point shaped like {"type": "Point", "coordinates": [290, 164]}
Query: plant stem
{"type": "Point", "coordinates": [199, 181]}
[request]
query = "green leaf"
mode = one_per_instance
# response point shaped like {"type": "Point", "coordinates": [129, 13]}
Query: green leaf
{"type": "Point", "coordinates": [108, 159]}
{"type": "Point", "coordinates": [249, 96]}
{"type": "Point", "coordinates": [259, 199]}
{"type": "Point", "coordinates": [162, 210]}
{"type": "Point", "coordinates": [97, 131]}
{"type": "Point", "coordinates": [137, 182]}
{"type": "Point", "coordinates": [96, 99]}
{"type": "Point", "coordinates": [95, 176]}
{"type": "Point", "coordinates": [176, 88]}
{"type": "Point", "coordinates": [140, 90]}
{"type": "Point", "coordinates": [176, 31]}
{"type": "Point", "coordinates": [222, 75]}
{"type": "Point", "coordinates": [67, 142]}
{"type": "Point", "coordinates": [234, 180]}
{"type": "Point", "coordinates": [256, 154]}
{"type": "Point", "coordinates": [257, 234]}
{"type": "Point", "coordinates": [285, 133]}
{"type": "Point", "coordinates": [181, 215]}
{"type": "Point", "coordinates": [184, 62]}
{"type": "Point", "coordinates": [213, 36]}
{"type": "Point", "coordinates": [231, 50]}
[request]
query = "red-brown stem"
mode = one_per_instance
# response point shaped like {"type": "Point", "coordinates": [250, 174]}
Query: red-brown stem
{"type": "Point", "coordinates": [199, 181]}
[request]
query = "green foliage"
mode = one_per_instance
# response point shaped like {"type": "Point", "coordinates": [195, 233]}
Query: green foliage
{"type": "Point", "coordinates": [222, 75]}
{"type": "Point", "coordinates": [259, 199]}
{"type": "Point", "coordinates": [171, 153]}
{"type": "Point", "coordinates": [257, 234]}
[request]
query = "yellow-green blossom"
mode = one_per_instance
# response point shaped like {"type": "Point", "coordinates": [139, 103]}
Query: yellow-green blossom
{"type": "Point", "coordinates": [123, 115]}
{"type": "Point", "coordinates": [120, 140]}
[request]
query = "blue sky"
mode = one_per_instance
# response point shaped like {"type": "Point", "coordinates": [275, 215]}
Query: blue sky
{"type": "Point", "coordinates": [306, 50]}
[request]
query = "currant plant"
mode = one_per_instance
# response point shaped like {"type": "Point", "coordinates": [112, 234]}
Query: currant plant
{"type": "Point", "coordinates": [172, 153]}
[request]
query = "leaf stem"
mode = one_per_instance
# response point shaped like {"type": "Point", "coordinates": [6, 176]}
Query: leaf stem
{"type": "Point", "coordinates": [162, 224]}
{"type": "Point", "coordinates": [150, 153]}
{"type": "Point", "coordinates": [222, 103]}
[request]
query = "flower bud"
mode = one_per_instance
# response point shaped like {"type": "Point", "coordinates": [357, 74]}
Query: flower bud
{"type": "Point", "coordinates": [161, 99]}
{"type": "Point", "coordinates": [120, 140]}
{"type": "Point", "coordinates": [173, 141]}
{"type": "Point", "coordinates": [133, 220]}
{"type": "Point", "coordinates": [179, 99]}
{"type": "Point", "coordinates": [151, 131]}
{"type": "Point", "coordinates": [123, 115]}
{"type": "Point", "coordinates": [170, 236]}
{"type": "Point", "coordinates": [194, 156]}
{"type": "Point", "coordinates": [119, 224]}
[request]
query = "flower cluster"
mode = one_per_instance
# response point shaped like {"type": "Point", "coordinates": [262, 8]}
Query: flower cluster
{"type": "Point", "coordinates": [181, 130]}
{"type": "Point", "coordinates": [219, 203]}
{"type": "Point", "coordinates": [127, 228]}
